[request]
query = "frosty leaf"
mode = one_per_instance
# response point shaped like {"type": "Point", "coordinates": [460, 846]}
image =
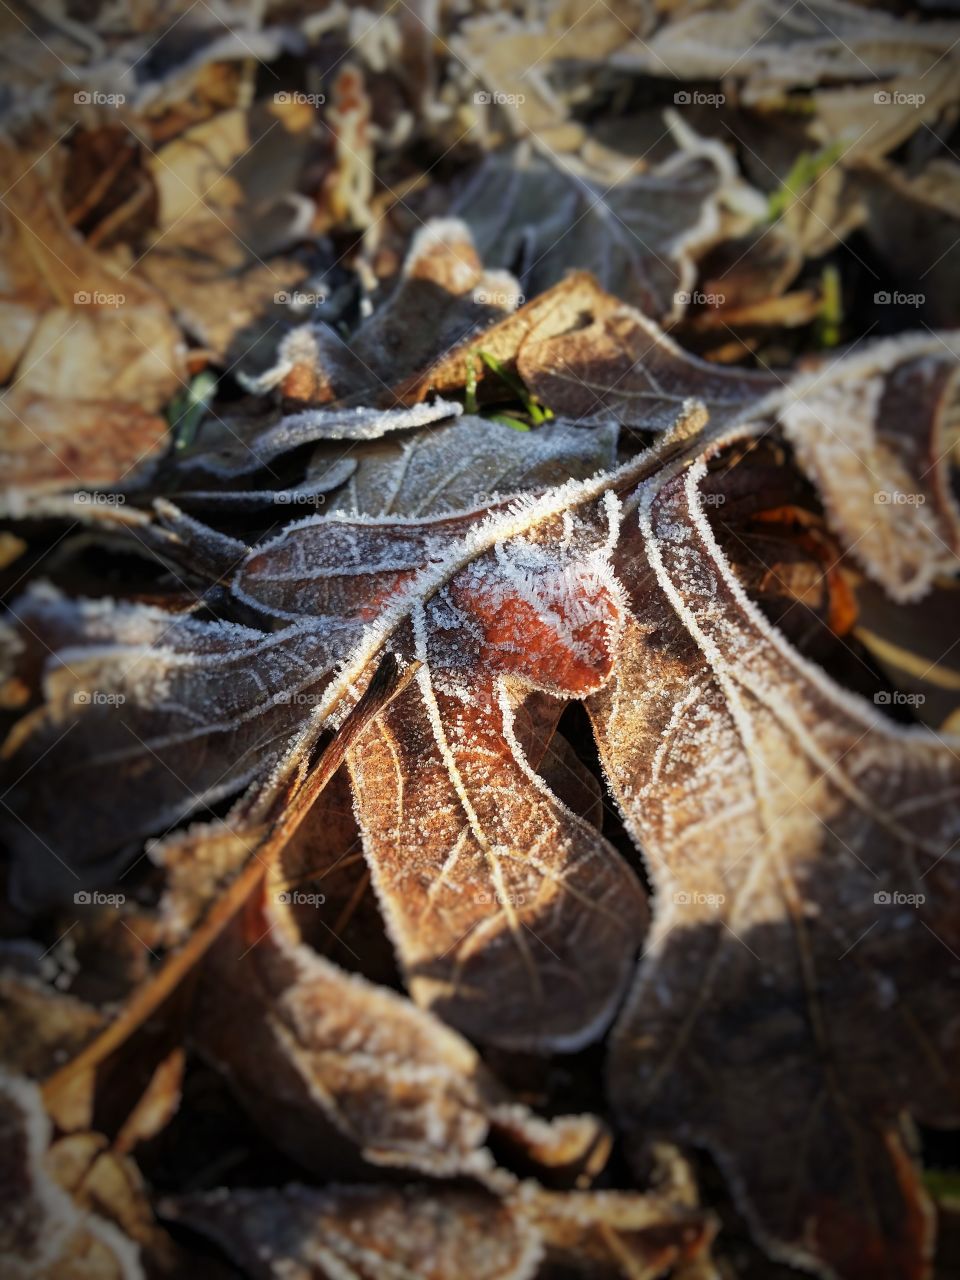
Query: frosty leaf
{"type": "Point", "coordinates": [512, 918]}
{"type": "Point", "coordinates": [443, 296]}
{"type": "Point", "coordinates": [43, 1234]}
{"type": "Point", "coordinates": [802, 851]}
{"type": "Point", "coordinates": [635, 234]}
{"type": "Point", "coordinates": [298, 429]}
{"type": "Point", "coordinates": [179, 711]}
{"type": "Point", "coordinates": [773, 48]}
{"type": "Point", "coordinates": [334, 1067]}
{"type": "Point", "coordinates": [873, 432]}
{"type": "Point", "coordinates": [470, 463]}
{"type": "Point", "coordinates": [366, 1233]}
{"type": "Point", "coordinates": [606, 1235]}
{"type": "Point", "coordinates": [624, 365]}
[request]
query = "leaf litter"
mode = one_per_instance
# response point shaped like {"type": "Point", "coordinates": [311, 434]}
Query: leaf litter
{"type": "Point", "coordinates": [480, 787]}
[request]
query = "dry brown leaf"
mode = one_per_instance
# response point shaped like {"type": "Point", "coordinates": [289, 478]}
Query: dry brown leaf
{"type": "Point", "coordinates": [623, 365]}
{"type": "Point", "coordinates": [43, 1234]}
{"type": "Point", "coordinates": [874, 433]}
{"type": "Point", "coordinates": [787, 829]}
{"type": "Point", "coordinates": [333, 1067]}
{"type": "Point", "coordinates": [443, 296]}
{"type": "Point", "coordinates": [366, 1233]}
{"type": "Point", "coordinates": [52, 444]}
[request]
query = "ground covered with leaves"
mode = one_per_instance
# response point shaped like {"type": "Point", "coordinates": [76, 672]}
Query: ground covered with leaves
{"type": "Point", "coordinates": [481, 754]}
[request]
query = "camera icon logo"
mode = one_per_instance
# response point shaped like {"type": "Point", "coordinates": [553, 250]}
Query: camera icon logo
{"type": "Point", "coordinates": [882, 97]}
{"type": "Point", "coordinates": [882, 699]}
{"type": "Point", "coordinates": [82, 898]}
{"type": "Point", "coordinates": [283, 98]}
{"type": "Point", "coordinates": [482, 98]}
{"type": "Point", "coordinates": [81, 298]}
{"type": "Point", "coordinates": [682, 98]}
{"type": "Point", "coordinates": [882, 299]}
{"type": "Point", "coordinates": [83, 97]}
{"type": "Point", "coordinates": [882, 898]}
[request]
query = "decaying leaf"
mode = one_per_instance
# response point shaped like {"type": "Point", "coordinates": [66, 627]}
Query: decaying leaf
{"type": "Point", "coordinates": [443, 296]}
{"type": "Point", "coordinates": [367, 1233]}
{"type": "Point", "coordinates": [874, 433]}
{"type": "Point", "coordinates": [333, 1066]}
{"type": "Point", "coordinates": [383, 956]}
{"type": "Point", "coordinates": [636, 235]}
{"type": "Point", "coordinates": [52, 444]}
{"type": "Point", "coordinates": [774, 49]}
{"type": "Point", "coordinates": [780, 953]}
{"type": "Point", "coordinates": [625, 366]}
{"type": "Point", "coordinates": [43, 1235]}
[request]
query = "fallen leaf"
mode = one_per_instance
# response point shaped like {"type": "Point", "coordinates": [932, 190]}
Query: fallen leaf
{"type": "Point", "coordinates": [300, 1233]}
{"type": "Point", "coordinates": [780, 951]}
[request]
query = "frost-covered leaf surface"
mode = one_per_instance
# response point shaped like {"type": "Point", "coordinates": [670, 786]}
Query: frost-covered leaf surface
{"type": "Point", "coordinates": [366, 1233]}
{"type": "Point", "coordinates": [773, 48]}
{"type": "Point", "coordinates": [874, 432]}
{"type": "Point", "coordinates": [779, 991]}
{"type": "Point", "coordinates": [513, 919]}
{"type": "Point", "coordinates": [469, 463]}
{"type": "Point", "coordinates": [335, 1068]}
{"type": "Point", "coordinates": [634, 233]}
{"type": "Point", "coordinates": [467, 804]}
{"type": "Point", "coordinates": [624, 366]}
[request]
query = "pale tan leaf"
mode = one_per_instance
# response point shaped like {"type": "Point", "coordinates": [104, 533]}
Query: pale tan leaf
{"type": "Point", "coordinates": [873, 431]}
{"type": "Point", "coordinates": [43, 1234]}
